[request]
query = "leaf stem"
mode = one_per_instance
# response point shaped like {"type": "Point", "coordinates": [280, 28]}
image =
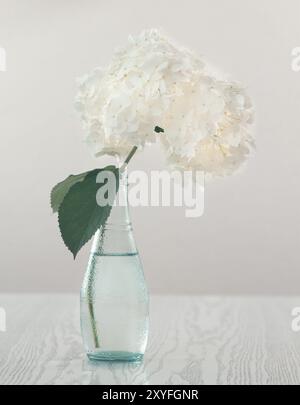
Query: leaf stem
{"type": "Point", "coordinates": [127, 160]}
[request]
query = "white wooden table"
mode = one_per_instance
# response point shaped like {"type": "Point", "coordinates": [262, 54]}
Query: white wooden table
{"type": "Point", "coordinates": [193, 340]}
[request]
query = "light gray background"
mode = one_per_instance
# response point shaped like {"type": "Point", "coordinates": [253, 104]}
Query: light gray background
{"type": "Point", "coordinates": [248, 239]}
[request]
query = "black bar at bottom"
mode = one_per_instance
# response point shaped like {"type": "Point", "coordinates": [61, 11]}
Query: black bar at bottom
{"type": "Point", "coordinates": [136, 393]}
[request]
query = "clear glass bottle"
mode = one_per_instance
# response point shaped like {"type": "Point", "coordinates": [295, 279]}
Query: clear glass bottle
{"type": "Point", "coordinates": [114, 297]}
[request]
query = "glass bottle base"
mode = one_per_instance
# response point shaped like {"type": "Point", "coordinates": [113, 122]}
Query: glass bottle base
{"type": "Point", "coordinates": [115, 356]}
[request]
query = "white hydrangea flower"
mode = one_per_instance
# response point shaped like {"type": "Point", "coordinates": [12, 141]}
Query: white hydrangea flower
{"type": "Point", "coordinates": [121, 105]}
{"type": "Point", "coordinates": [152, 82]}
{"type": "Point", "coordinates": [207, 126]}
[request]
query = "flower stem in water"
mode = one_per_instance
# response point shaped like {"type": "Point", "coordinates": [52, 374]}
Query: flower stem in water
{"type": "Point", "coordinates": [90, 295]}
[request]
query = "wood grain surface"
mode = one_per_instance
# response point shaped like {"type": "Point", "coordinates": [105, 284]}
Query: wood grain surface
{"type": "Point", "coordinates": [193, 340]}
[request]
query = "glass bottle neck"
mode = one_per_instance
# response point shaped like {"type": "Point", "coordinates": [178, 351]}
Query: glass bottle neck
{"type": "Point", "coordinates": [116, 237]}
{"type": "Point", "coordinates": [119, 214]}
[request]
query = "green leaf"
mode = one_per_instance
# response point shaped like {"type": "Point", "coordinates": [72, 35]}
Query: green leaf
{"type": "Point", "coordinates": [59, 191]}
{"type": "Point", "coordinates": [79, 214]}
{"type": "Point", "coordinates": [158, 129]}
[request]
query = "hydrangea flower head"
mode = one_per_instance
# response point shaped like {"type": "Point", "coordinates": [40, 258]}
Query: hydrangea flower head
{"type": "Point", "coordinates": [153, 82]}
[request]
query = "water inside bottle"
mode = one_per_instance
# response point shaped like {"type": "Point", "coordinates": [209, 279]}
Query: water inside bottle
{"type": "Point", "coordinates": [114, 307]}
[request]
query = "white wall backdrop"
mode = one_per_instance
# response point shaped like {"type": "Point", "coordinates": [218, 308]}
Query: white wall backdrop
{"type": "Point", "coordinates": [248, 239]}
